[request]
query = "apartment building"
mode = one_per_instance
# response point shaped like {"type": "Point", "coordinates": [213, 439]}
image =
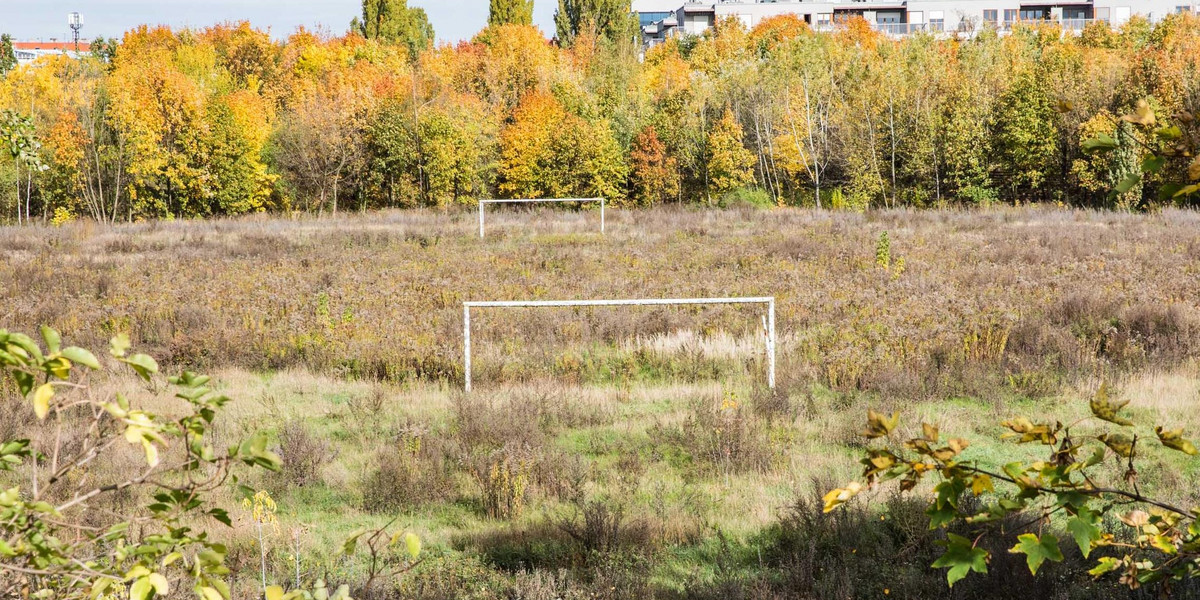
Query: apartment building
{"type": "Point", "coordinates": [29, 52]}
{"type": "Point", "coordinates": [661, 19]}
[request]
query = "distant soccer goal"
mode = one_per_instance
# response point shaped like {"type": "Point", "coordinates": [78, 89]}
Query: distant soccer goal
{"type": "Point", "coordinates": [768, 324]}
{"type": "Point", "coordinates": [483, 203]}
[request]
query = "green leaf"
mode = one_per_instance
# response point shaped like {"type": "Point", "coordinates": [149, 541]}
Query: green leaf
{"type": "Point", "coordinates": [24, 381]}
{"type": "Point", "coordinates": [961, 558]}
{"type": "Point", "coordinates": [1127, 184]}
{"type": "Point", "coordinates": [52, 339]}
{"type": "Point", "coordinates": [1106, 408]}
{"type": "Point", "coordinates": [6, 550]}
{"type": "Point", "coordinates": [940, 516]}
{"type": "Point", "coordinates": [1101, 143]}
{"type": "Point", "coordinates": [142, 364]}
{"type": "Point", "coordinates": [81, 356]}
{"type": "Point", "coordinates": [1153, 164]}
{"type": "Point", "coordinates": [222, 516]}
{"type": "Point", "coordinates": [351, 542]}
{"type": "Point", "coordinates": [1037, 550]}
{"type": "Point", "coordinates": [141, 589]}
{"type": "Point", "coordinates": [1168, 133]}
{"type": "Point", "coordinates": [1084, 527]}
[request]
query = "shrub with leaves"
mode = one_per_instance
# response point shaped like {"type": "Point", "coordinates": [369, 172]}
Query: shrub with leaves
{"type": "Point", "coordinates": [1067, 489]}
{"type": "Point", "coordinates": [64, 534]}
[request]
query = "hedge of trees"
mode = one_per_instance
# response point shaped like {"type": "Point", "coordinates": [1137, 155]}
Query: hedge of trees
{"type": "Point", "coordinates": [226, 120]}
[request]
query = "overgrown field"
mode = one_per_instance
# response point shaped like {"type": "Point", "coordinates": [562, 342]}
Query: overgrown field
{"type": "Point", "coordinates": [631, 453]}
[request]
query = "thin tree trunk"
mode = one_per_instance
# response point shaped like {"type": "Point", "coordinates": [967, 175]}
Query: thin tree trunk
{"type": "Point", "coordinates": [892, 130]}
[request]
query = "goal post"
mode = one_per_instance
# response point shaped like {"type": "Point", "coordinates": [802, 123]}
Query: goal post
{"type": "Point", "coordinates": [769, 319]}
{"type": "Point", "coordinates": [483, 203]}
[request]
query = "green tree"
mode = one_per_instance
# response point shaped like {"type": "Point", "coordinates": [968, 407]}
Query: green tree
{"type": "Point", "coordinates": [511, 12]}
{"type": "Point", "coordinates": [8, 58]}
{"type": "Point", "coordinates": [393, 21]}
{"type": "Point", "coordinates": [730, 164]}
{"type": "Point", "coordinates": [1026, 139]}
{"type": "Point", "coordinates": [611, 19]}
{"type": "Point", "coordinates": [21, 143]}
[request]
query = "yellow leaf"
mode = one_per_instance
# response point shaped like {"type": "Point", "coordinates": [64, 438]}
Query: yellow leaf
{"type": "Point", "coordinates": [981, 484]}
{"type": "Point", "coordinates": [151, 452]}
{"type": "Point", "coordinates": [161, 587]}
{"type": "Point", "coordinates": [210, 594]}
{"type": "Point", "coordinates": [840, 496]}
{"type": "Point", "coordinates": [41, 400]}
{"type": "Point", "coordinates": [1194, 169]}
{"type": "Point", "coordinates": [879, 425]}
{"type": "Point", "coordinates": [413, 544]}
{"type": "Point", "coordinates": [1174, 439]}
{"type": "Point", "coordinates": [1142, 115]}
{"type": "Point", "coordinates": [274, 592]}
{"type": "Point", "coordinates": [136, 572]}
{"type": "Point", "coordinates": [930, 432]}
{"type": "Point", "coordinates": [1105, 408]}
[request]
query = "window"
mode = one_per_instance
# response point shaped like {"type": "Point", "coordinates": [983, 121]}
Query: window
{"type": "Point", "coordinates": [1034, 14]}
{"type": "Point", "coordinates": [887, 17]}
{"type": "Point", "coordinates": [1183, 9]}
{"type": "Point", "coordinates": [650, 18]}
{"type": "Point", "coordinates": [989, 16]}
{"type": "Point", "coordinates": [1102, 14]}
{"type": "Point", "coordinates": [937, 20]}
{"type": "Point", "coordinates": [916, 16]}
{"type": "Point", "coordinates": [824, 19]}
{"type": "Point", "coordinates": [1010, 16]}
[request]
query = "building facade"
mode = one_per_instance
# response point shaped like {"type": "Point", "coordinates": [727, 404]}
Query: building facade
{"type": "Point", "coordinates": [28, 52]}
{"type": "Point", "coordinates": [896, 17]}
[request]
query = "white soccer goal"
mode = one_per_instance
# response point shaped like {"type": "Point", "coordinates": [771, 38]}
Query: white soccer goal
{"type": "Point", "coordinates": [768, 325]}
{"type": "Point", "coordinates": [530, 200]}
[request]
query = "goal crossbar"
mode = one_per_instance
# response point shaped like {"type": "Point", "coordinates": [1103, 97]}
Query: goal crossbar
{"type": "Point", "coordinates": [482, 203]}
{"type": "Point", "coordinates": [769, 325]}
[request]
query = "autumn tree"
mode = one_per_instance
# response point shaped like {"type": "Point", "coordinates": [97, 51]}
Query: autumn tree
{"type": "Point", "coordinates": [730, 165]}
{"type": "Point", "coordinates": [317, 147]}
{"type": "Point", "coordinates": [653, 174]}
{"type": "Point", "coordinates": [510, 12]}
{"type": "Point", "coordinates": [548, 152]}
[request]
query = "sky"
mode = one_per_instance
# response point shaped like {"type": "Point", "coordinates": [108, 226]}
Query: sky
{"type": "Point", "coordinates": [452, 20]}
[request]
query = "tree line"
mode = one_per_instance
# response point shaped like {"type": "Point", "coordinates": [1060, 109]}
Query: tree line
{"type": "Point", "coordinates": [225, 120]}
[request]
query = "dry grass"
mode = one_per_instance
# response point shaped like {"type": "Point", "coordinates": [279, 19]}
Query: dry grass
{"type": "Point", "coordinates": [1022, 298]}
{"type": "Point", "coordinates": [611, 451]}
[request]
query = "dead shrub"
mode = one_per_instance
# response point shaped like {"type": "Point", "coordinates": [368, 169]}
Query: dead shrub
{"type": "Point", "coordinates": [303, 454]}
{"type": "Point", "coordinates": [413, 470]}
{"type": "Point", "coordinates": [725, 437]}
